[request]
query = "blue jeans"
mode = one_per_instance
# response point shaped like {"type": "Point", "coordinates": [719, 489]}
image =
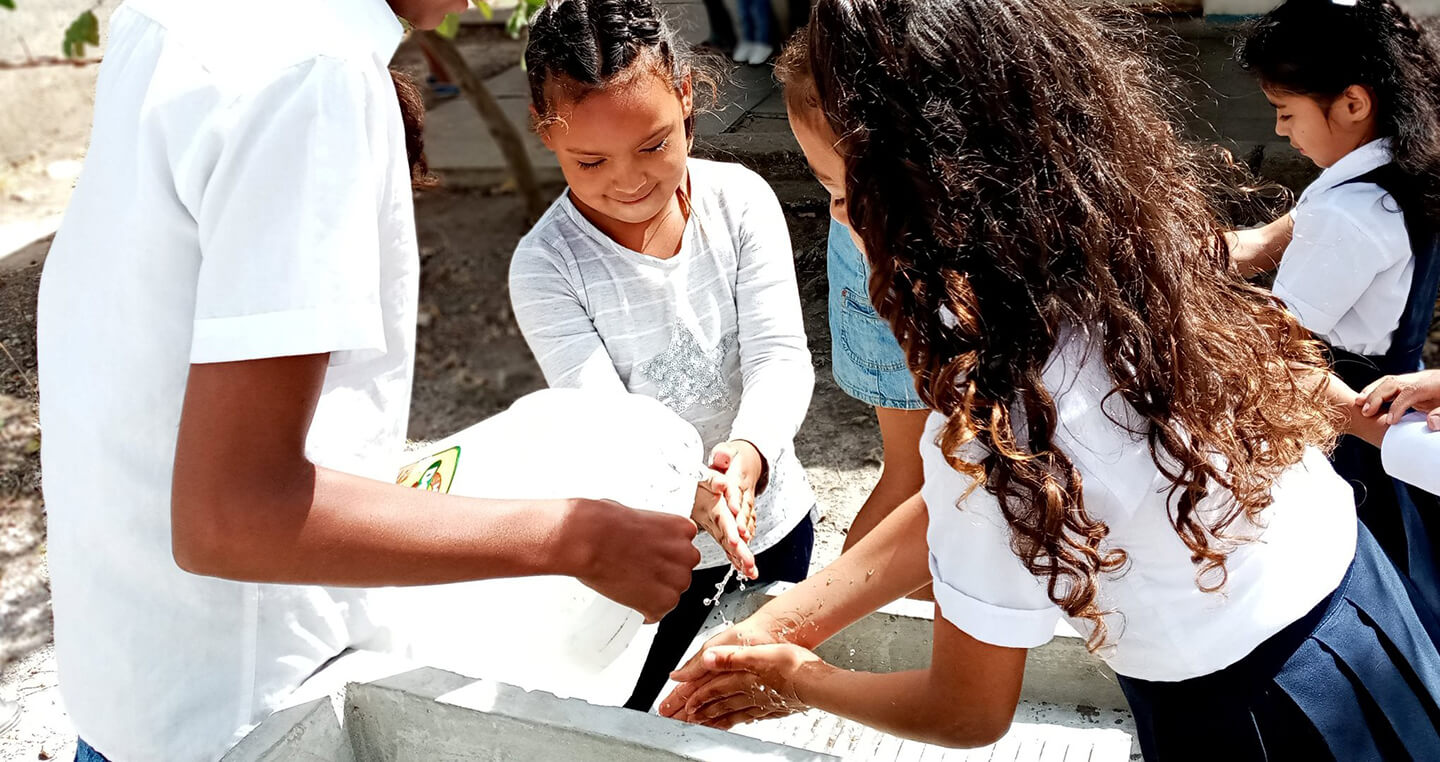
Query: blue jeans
{"type": "Point", "coordinates": [755, 21]}
{"type": "Point", "coordinates": [865, 358]}
{"type": "Point", "coordinates": [83, 752]}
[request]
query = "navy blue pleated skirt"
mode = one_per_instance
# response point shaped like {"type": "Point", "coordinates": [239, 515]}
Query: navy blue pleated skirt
{"type": "Point", "coordinates": [1355, 679]}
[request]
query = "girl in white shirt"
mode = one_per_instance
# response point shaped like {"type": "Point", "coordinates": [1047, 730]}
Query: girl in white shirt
{"type": "Point", "coordinates": [662, 275]}
{"type": "Point", "coordinates": [1125, 433]}
{"type": "Point", "coordinates": [1354, 87]}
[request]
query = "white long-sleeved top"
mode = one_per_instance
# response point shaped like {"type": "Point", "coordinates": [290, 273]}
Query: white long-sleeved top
{"type": "Point", "coordinates": [714, 332]}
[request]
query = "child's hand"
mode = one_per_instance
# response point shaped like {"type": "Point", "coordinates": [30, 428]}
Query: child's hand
{"type": "Point", "coordinates": [741, 464]}
{"type": "Point", "coordinates": [713, 513]}
{"type": "Point", "coordinates": [742, 684]}
{"type": "Point", "coordinates": [1420, 391]}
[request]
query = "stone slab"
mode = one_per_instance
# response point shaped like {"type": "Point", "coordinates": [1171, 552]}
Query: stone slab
{"type": "Point", "coordinates": [308, 732]}
{"type": "Point", "coordinates": [432, 714]}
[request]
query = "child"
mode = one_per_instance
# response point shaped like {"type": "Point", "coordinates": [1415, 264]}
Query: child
{"type": "Point", "coordinates": [1354, 89]}
{"type": "Point", "coordinates": [670, 277]}
{"type": "Point", "coordinates": [1126, 433]}
{"type": "Point", "coordinates": [226, 336]}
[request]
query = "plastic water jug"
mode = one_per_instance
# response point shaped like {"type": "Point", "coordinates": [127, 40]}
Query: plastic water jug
{"type": "Point", "coordinates": [546, 633]}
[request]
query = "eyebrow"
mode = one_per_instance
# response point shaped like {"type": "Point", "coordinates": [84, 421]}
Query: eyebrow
{"type": "Point", "coordinates": [656, 135]}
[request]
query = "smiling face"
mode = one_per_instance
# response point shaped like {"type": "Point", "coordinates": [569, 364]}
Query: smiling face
{"type": "Point", "coordinates": [1324, 131]}
{"type": "Point", "coordinates": [622, 148]}
{"type": "Point", "coordinates": [817, 141]}
{"type": "Point", "coordinates": [427, 14]}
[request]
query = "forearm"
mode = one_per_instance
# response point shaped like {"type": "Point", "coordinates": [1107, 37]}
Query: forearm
{"type": "Point", "coordinates": [920, 705]}
{"type": "Point", "coordinates": [1260, 250]}
{"type": "Point", "coordinates": [891, 562]}
{"type": "Point", "coordinates": [317, 526]}
{"type": "Point", "coordinates": [773, 404]}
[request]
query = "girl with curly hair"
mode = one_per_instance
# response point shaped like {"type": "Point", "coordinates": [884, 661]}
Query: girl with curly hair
{"type": "Point", "coordinates": [1124, 434]}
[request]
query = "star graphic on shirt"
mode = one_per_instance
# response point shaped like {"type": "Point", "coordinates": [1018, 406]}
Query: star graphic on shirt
{"type": "Point", "coordinates": [689, 374]}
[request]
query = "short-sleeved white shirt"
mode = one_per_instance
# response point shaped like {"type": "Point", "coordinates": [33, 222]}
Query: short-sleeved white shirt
{"type": "Point", "coordinates": [1346, 273]}
{"type": "Point", "coordinates": [246, 195]}
{"type": "Point", "coordinates": [1164, 627]}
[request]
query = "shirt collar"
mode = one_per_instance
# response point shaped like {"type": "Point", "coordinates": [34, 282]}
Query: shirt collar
{"type": "Point", "coordinates": [1376, 153]}
{"type": "Point", "coordinates": [380, 27]}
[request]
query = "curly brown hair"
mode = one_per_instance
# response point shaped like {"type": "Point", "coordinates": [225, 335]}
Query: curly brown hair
{"type": "Point", "coordinates": [1012, 168]}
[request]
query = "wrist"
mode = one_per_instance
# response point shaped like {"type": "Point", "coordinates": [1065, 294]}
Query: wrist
{"type": "Point", "coordinates": [807, 677]}
{"type": "Point", "coordinates": [760, 465]}
{"type": "Point", "coordinates": [571, 551]}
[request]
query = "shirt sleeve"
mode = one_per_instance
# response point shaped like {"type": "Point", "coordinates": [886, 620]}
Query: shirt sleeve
{"type": "Point", "coordinates": [777, 376]}
{"type": "Point", "coordinates": [980, 586]}
{"type": "Point", "coordinates": [288, 221]}
{"type": "Point", "coordinates": [1411, 451]}
{"type": "Point", "coordinates": [1328, 241]}
{"type": "Point", "coordinates": [555, 324]}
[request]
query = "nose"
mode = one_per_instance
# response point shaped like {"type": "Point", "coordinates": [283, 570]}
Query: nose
{"type": "Point", "coordinates": [1280, 128]}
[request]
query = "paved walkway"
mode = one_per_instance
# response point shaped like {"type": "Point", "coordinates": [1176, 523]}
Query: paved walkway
{"type": "Point", "coordinates": [1226, 106]}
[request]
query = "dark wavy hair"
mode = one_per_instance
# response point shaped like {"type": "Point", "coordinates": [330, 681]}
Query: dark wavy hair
{"type": "Point", "coordinates": [1011, 169]}
{"type": "Point", "coordinates": [412, 119]}
{"type": "Point", "coordinates": [580, 46]}
{"type": "Point", "coordinates": [1319, 48]}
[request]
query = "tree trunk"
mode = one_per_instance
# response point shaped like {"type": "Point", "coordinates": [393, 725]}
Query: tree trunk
{"type": "Point", "coordinates": [507, 137]}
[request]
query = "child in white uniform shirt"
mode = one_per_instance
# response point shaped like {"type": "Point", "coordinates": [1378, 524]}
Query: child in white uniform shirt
{"type": "Point", "coordinates": [1354, 89]}
{"type": "Point", "coordinates": [1125, 434]}
{"type": "Point", "coordinates": [662, 275]}
{"type": "Point", "coordinates": [226, 335]}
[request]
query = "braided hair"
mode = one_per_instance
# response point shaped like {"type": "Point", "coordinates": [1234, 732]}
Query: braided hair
{"type": "Point", "coordinates": [1318, 48]}
{"type": "Point", "coordinates": [581, 46]}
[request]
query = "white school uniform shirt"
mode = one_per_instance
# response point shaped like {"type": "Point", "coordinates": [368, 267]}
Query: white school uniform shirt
{"type": "Point", "coordinates": [1163, 627]}
{"type": "Point", "coordinates": [1346, 273]}
{"type": "Point", "coordinates": [714, 332]}
{"type": "Point", "coordinates": [246, 195]}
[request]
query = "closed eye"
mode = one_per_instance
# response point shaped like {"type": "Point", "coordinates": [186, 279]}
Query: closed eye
{"type": "Point", "coordinates": [590, 164]}
{"type": "Point", "coordinates": [658, 147]}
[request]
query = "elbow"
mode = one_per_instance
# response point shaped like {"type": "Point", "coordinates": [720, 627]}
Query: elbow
{"type": "Point", "coordinates": [972, 727]}
{"type": "Point", "coordinates": [196, 542]}
{"type": "Point", "coordinates": [972, 733]}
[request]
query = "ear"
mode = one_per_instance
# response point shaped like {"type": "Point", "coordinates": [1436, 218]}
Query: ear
{"type": "Point", "coordinates": [687, 96]}
{"type": "Point", "coordinates": [1356, 104]}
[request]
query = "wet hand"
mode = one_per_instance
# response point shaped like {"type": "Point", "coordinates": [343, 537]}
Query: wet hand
{"type": "Point", "coordinates": [742, 465]}
{"type": "Point", "coordinates": [742, 684]}
{"type": "Point", "coordinates": [715, 512]}
{"type": "Point", "coordinates": [758, 629]}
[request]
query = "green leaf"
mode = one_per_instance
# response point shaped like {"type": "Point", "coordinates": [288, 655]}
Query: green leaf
{"type": "Point", "coordinates": [84, 30]}
{"type": "Point", "coordinates": [7, 4]}
{"type": "Point", "coordinates": [485, 9]}
{"type": "Point", "coordinates": [449, 27]}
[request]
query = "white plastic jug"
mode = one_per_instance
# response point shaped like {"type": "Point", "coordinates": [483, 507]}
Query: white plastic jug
{"type": "Point", "coordinates": [546, 633]}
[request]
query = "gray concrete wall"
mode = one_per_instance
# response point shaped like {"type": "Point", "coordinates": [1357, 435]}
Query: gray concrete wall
{"type": "Point", "coordinates": [432, 714]}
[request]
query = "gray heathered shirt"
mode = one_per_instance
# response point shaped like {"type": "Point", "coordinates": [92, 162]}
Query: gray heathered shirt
{"type": "Point", "coordinates": [714, 332]}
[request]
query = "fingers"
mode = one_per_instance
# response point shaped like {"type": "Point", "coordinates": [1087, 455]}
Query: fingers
{"type": "Point", "coordinates": [739, 702]}
{"type": "Point", "coordinates": [719, 688]}
{"type": "Point", "coordinates": [742, 717]}
{"type": "Point", "coordinates": [721, 456]}
{"type": "Point", "coordinates": [1402, 404]}
{"type": "Point", "coordinates": [1434, 419]}
{"type": "Point", "coordinates": [1375, 395]}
